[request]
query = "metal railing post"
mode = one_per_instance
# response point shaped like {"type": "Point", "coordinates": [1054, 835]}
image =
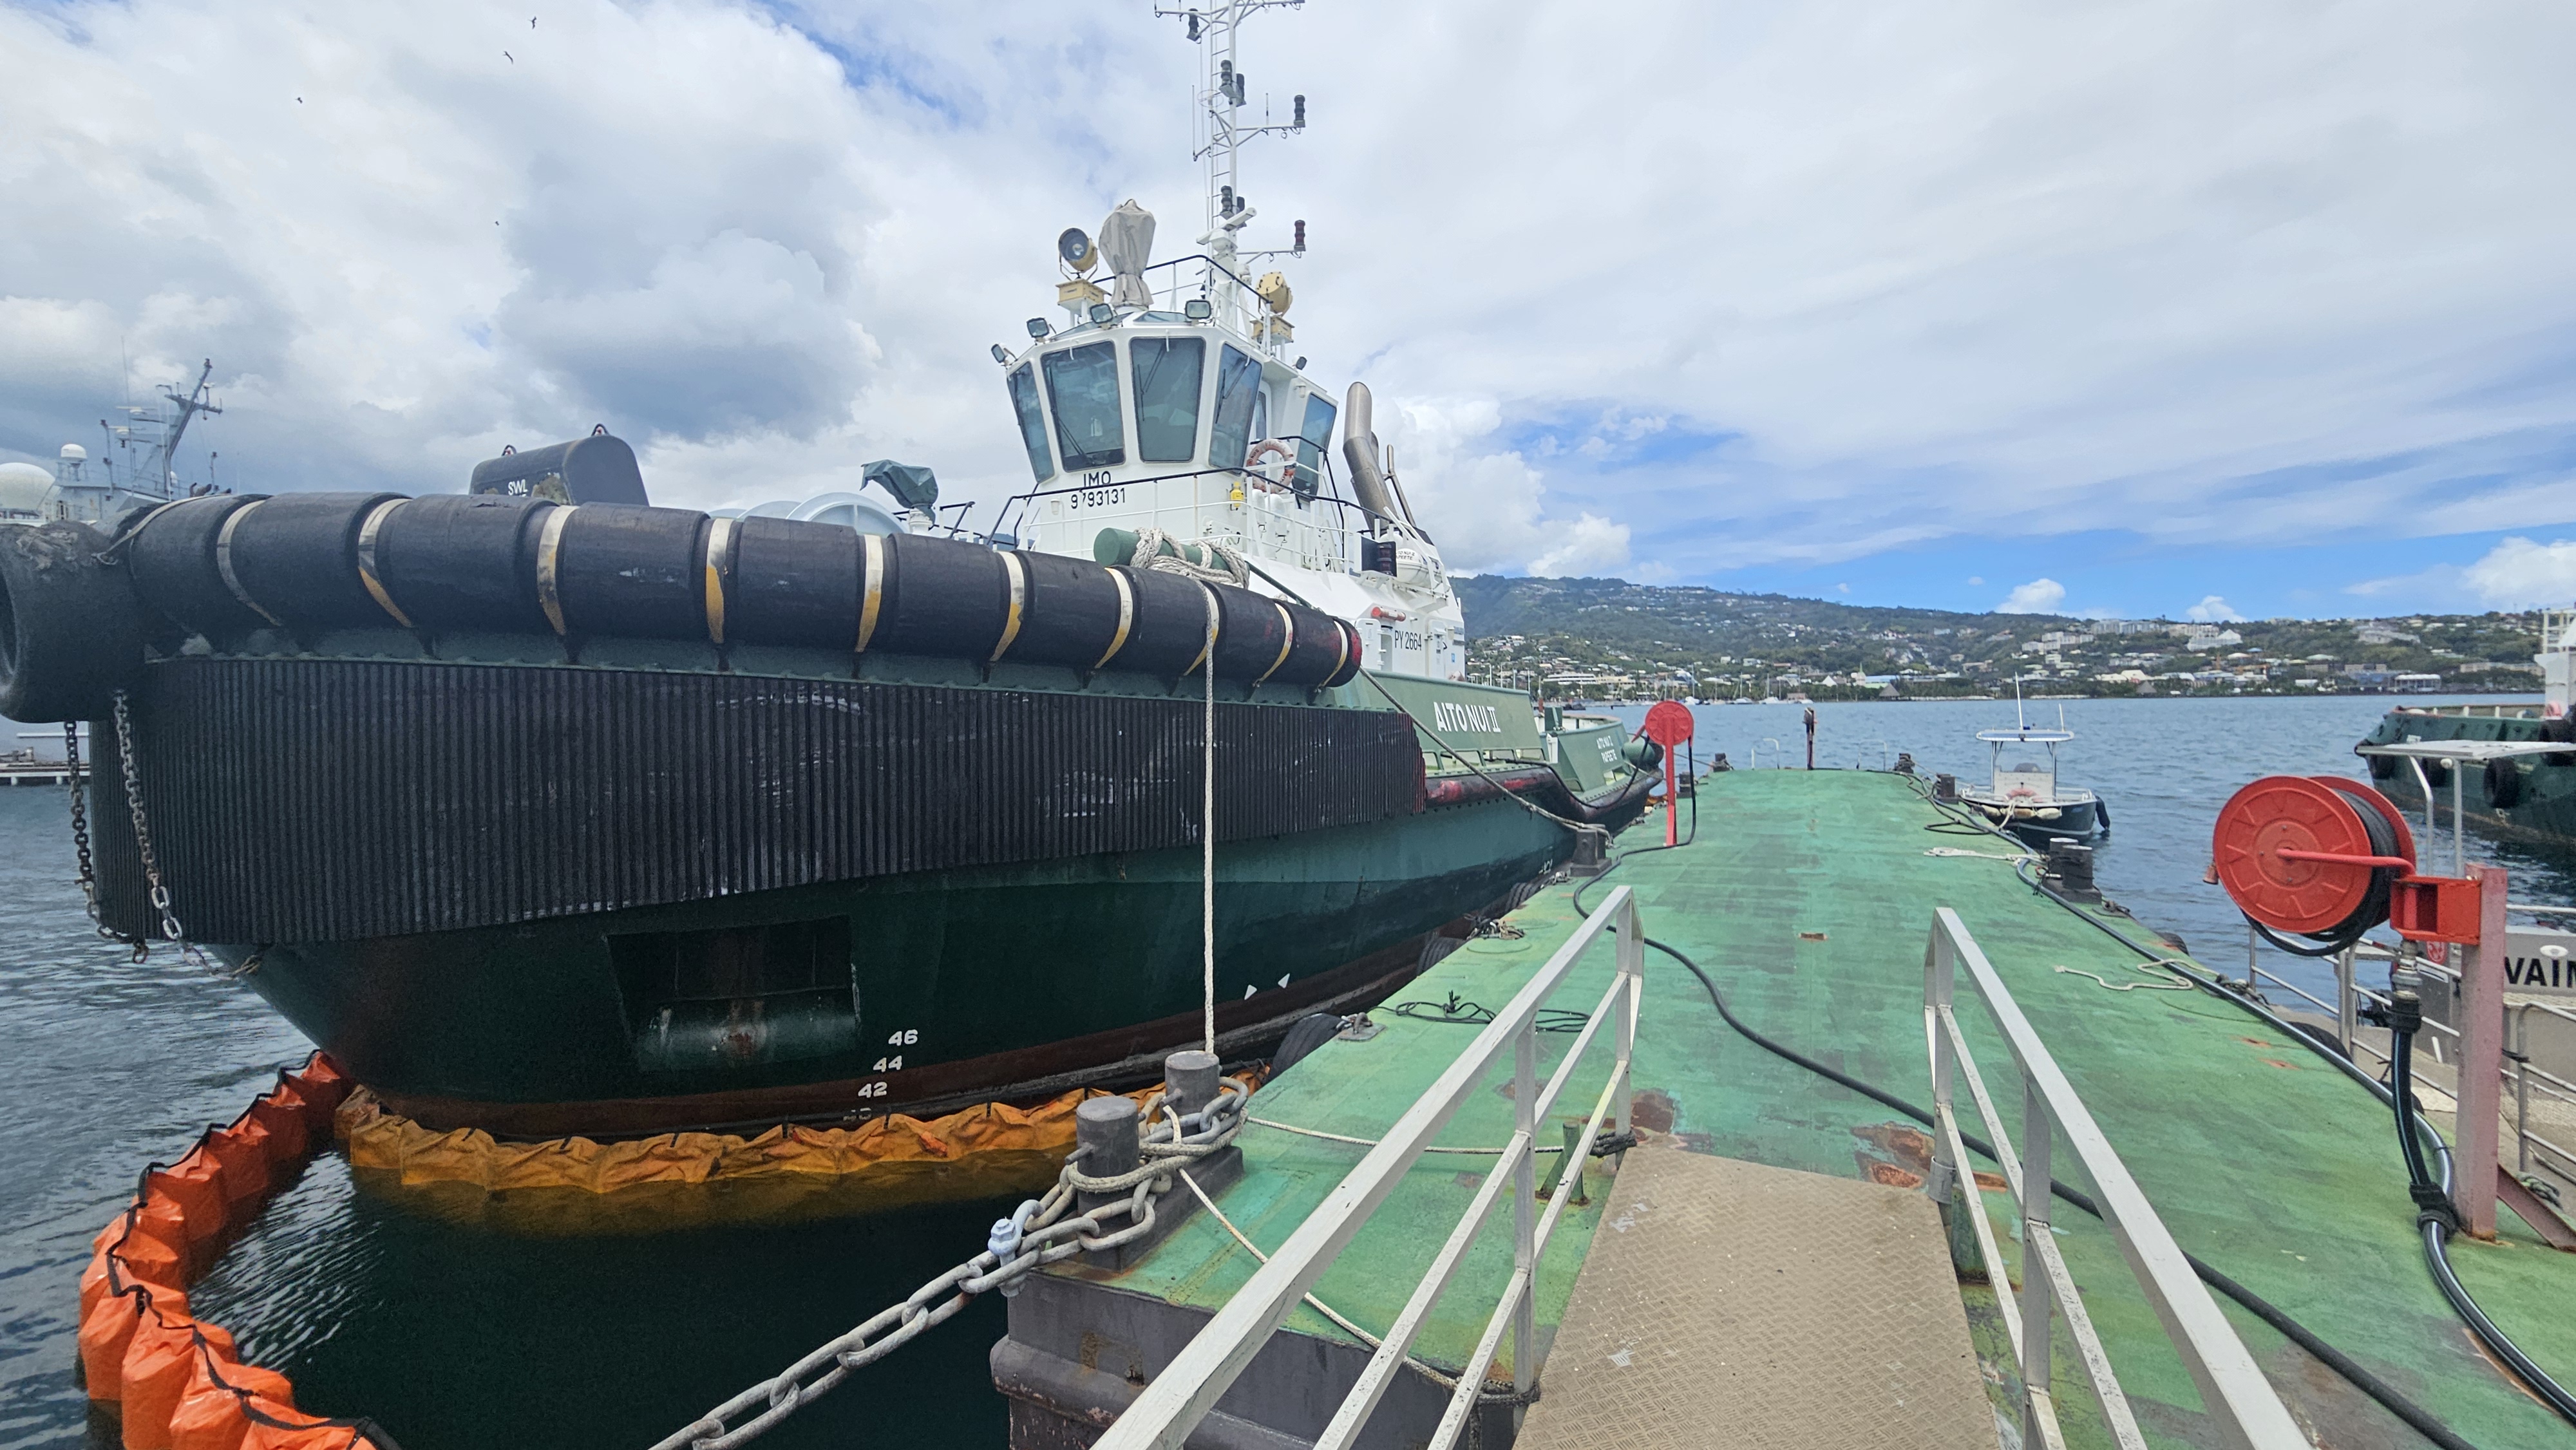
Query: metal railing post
{"type": "Point", "coordinates": [2038, 1293]}
{"type": "Point", "coordinates": [2347, 1007]}
{"type": "Point", "coordinates": [1632, 971]}
{"type": "Point", "coordinates": [2520, 1053]}
{"type": "Point", "coordinates": [1525, 1212]}
{"type": "Point", "coordinates": [1939, 973]}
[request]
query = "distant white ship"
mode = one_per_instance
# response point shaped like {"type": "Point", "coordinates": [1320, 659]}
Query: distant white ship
{"type": "Point", "coordinates": [101, 491]}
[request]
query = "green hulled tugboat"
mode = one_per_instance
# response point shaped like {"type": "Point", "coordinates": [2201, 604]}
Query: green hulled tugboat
{"type": "Point", "coordinates": [546, 810]}
{"type": "Point", "coordinates": [2500, 764]}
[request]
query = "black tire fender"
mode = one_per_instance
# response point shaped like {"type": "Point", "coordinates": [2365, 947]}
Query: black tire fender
{"type": "Point", "coordinates": [2504, 783]}
{"type": "Point", "coordinates": [1308, 1033]}
{"type": "Point", "coordinates": [71, 630]}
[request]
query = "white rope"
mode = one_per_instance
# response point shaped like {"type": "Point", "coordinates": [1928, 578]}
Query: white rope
{"type": "Point", "coordinates": [1372, 1142]}
{"type": "Point", "coordinates": [1151, 544]}
{"type": "Point", "coordinates": [1318, 1305]}
{"type": "Point", "coordinates": [1980, 855]}
{"type": "Point", "coordinates": [2167, 965]}
{"type": "Point", "coordinates": [1207, 836]}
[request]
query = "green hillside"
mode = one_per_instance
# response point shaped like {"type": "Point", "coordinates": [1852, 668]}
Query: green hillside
{"type": "Point", "coordinates": [1608, 639]}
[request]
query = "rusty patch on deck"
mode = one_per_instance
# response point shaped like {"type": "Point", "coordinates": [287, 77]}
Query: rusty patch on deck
{"type": "Point", "coordinates": [1908, 1156]}
{"type": "Point", "coordinates": [1653, 1110]}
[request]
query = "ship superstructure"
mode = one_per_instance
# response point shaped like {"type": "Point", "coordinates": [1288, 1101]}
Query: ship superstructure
{"type": "Point", "coordinates": [1173, 405]}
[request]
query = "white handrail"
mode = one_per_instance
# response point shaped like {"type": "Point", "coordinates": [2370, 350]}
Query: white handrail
{"type": "Point", "coordinates": [2248, 1411]}
{"type": "Point", "coordinates": [1182, 1394]}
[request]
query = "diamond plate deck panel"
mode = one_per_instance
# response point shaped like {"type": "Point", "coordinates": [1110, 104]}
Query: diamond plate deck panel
{"type": "Point", "coordinates": [1726, 1303]}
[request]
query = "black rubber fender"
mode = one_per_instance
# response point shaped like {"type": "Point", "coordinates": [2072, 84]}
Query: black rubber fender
{"type": "Point", "coordinates": [1075, 612]}
{"type": "Point", "coordinates": [2437, 774]}
{"type": "Point", "coordinates": [1304, 1035]}
{"type": "Point", "coordinates": [1253, 634]}
{"type": "Point", "coordinates": [623, 569]}
{"type": "Point", "coordinates": [71, 629]}
{"type": "Point", "coordinates": [794, 583]}
{"type": "Point", "coordinates": [171, 555]}
{"type": "Point", "coordinates": [943, 598]}
{"type": "Point", "coordinates": [1354, 655]}
{"type": "Point", "coordinates": [464, 562]}
{"type": "Point", "coordinates": [296, 556]}
{"type": "Point", "coordinates": [2382, 767]}
{"type": "Point", "coordinates": [2504, 783]}
{"type": "Point", "coordinates": [1171, 624]}
{"type": "Point", "coordinates": [1317, 651]}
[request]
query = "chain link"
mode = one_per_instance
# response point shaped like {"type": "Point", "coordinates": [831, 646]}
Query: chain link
{"type": "Point", "coordinates": [189, 952]}
{"type": "Point", "coordinates": [1036, 1234]}
{"type": "Point", "coordinates": [80, 828]}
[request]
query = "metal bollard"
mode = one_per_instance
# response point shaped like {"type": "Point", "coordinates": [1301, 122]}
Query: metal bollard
{"type": "Point", "coordinates": [2070, 871]}
{"type": "Point", "coordinates": [1104, 1128]}
{"type": "Point", "coordinates": [1945, 788]}
{"type": "Point", "coordinates": [1190, 1080]}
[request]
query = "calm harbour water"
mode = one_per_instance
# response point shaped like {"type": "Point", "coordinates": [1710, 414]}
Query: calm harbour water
{"type": "Point", "coordinates": [456, 1331]}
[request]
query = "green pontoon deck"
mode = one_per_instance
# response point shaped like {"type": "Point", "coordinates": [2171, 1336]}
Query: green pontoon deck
{"type": "Point", "coordinates": [1810, 897]}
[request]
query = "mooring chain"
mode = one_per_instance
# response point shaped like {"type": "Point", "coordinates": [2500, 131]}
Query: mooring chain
{"type": "Point", "coordinates": [1038, 1233]}
{"type": "Point", "coordinates": [160, 893]}
{"type": "Point", "coordinates": [80, 828]}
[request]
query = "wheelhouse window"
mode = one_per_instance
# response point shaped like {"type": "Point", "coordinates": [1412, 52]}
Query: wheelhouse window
{"type": "Point", "coordinates": [1312, 437]}
{"type": "Point", "coordinates": [1238, 384]}
{"type": "Point", "coordinates": [1166, 371]}
{"type": "Point", "coordinates": [1024, 401]}
{"type": "Point", "coordinates": [1082, 385]}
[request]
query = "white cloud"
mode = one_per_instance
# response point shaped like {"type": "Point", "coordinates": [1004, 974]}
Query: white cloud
{"type": "Point", "coordinates": [1591, 545]}
{"type": "Point", "coordinates": [2039, 596]}
{"type": "Point", "coordinates": [1977, 579]}
{"type": "Point", "coordinates": [1941, 272]}
{"type": "Point", "coordinates": [2211, 610]}
{"type": "Point", "coordinates": [2519, 574]}
{"type": "Point", "coordinates": [1486, 505]}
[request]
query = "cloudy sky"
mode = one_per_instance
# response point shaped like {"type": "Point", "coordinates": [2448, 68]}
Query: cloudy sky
{"type": "Point", "coordinates": [2188, 308]}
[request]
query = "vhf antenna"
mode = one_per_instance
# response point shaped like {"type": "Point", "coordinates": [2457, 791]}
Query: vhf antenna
{"type": "Point", "coordinates": [1222, 100]}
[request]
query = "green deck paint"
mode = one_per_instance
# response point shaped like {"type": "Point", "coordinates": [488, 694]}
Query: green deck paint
{"type": "Point", "coordinates": [1808, 897]}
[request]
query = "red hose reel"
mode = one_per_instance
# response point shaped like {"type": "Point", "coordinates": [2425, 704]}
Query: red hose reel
{"type": "Point", "coordinates": [2298, 854]}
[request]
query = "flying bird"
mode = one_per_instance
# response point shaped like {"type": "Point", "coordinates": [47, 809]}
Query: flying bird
{"type": "Point", "coordinates": [512, 59]}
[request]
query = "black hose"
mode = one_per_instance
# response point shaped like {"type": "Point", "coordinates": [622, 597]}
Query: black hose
{"type": "Point", "coordinates": [2335, 1359]}
{"type": "Point", "coordinates": [2437, 1220]}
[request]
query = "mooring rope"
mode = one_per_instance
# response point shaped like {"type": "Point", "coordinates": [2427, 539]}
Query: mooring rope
{"type": "Point", "coordinates": [1207, 836]}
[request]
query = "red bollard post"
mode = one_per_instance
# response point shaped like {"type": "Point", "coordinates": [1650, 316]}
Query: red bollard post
{"type": "Point", "coordinates": [2481, 1056]}
{"type": "Point", "coordinates": [1668, 724]}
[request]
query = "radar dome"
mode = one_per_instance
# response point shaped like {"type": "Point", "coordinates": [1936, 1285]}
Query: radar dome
{"type": "Point", "coordinates": [74, 453]}
{"type": "Point", "coordinates": [23, 487]}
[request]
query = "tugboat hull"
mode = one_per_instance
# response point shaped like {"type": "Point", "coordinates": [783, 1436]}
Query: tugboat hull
{"type": "Point", "coordinates": [960, 986]}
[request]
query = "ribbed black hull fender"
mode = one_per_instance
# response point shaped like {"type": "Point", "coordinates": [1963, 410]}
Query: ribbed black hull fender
{"type": "Point", "coordinates": [299, 800]}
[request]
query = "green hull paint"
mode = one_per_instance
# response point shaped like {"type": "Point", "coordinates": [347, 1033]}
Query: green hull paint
{"type": "Point", "coordinates": [970, 963]}
{"type": "Point", "coordinates": [2544, 816]}
{"type": "Point", "coordinates": [2259, 1157]}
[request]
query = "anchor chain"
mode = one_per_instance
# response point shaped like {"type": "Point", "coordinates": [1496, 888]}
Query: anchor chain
{"type": "Point", "coordinates": [189, 951]}
{"type": "Point", "coordinates": [1038, 1233]}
